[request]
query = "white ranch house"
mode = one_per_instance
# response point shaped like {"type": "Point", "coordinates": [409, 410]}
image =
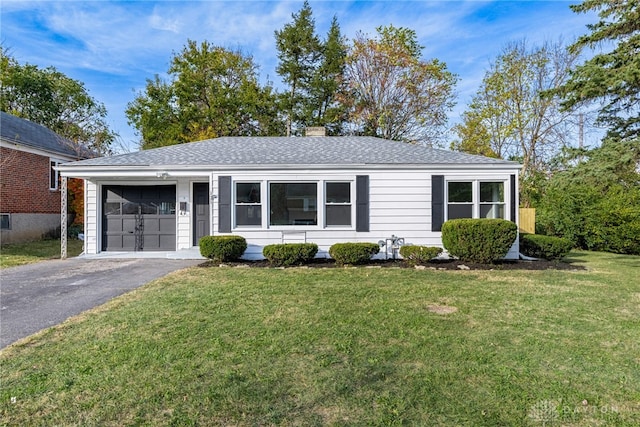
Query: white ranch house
{"type": "Point", "coordinates": [321, 190]}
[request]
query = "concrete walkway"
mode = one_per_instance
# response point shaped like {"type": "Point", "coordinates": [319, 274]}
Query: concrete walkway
{"type": "Point", "coordinates": [36, 296]}
{"type": "Point", "coordinates": [191, 253]}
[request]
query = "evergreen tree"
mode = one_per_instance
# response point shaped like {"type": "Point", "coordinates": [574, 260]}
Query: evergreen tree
{"type": "Point", "coordinates": [323, 107]}
{"type": "Point", "coordinates": [613, 77]}
{"type": "Point", "coordinates": [299, 50]}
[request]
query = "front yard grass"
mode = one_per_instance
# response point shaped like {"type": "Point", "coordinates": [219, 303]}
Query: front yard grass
{"type": "Point", "coordinates": [355, 346]}
{"type": "Point", "coordinates": [28, 253]}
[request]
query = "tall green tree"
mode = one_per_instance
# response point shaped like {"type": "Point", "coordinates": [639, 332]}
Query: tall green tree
{"type": "Point", "coordinates": [299, 50]}
{"type": "Point", "coordinates": [212, 92]}
{"type": "Point", "coordinates": [392, 92]}
{"type": "Point", "coordinates": [611, 77]}
{"type": "Point", "coordinates": [509, 117]}
{"type": "Point", "coordinates": [322, 105]}
{"type": "Point", "coordinates": [156, 115]}
{"type": "Point", "coordinates": [52, 99]}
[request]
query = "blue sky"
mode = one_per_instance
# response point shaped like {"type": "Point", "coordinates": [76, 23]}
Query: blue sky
{"type": "Point", "coordinates": [114, 46]}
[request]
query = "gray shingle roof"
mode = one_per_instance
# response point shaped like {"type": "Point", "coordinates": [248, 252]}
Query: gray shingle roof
{"type": "Point", "coordinates": [238, 151]}
{"type": "Point", "coordinates": [24, 132]}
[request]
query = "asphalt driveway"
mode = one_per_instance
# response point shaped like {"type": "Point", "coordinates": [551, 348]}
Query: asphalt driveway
{"type": "Point", "coordinates": [36, 296]}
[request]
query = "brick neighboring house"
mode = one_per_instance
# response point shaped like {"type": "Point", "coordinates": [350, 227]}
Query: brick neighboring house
{"type": "Point", "coordinates": [29, 185]}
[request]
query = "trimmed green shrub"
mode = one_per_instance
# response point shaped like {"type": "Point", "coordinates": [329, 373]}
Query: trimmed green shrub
{"type": "Point", "coordinates": [353, 253]}
{"type": "Point", "coordinates": [285, 254]}
{"type": "Point", "coordinates": [417, 255]}
{"type": "Point", "coordinates": [547, 247]}
{"type": "Point", "coordinates": [222, 248]}
{"type": "Point", "coordinates": [478, 240]}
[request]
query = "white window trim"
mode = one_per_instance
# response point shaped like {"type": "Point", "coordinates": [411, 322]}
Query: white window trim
{"type": "Point", "coordinates": [319, 209]}
{"type": "Point", "coordinates": [504, 197]}
{"type": "Point", "coordinates": [234, 189]}
{"type": "Point", "coordinates": [265, 197]}
{"type": "Point", "coordinates": [352, 196]}
{"type": "Point", "coordinates": [475, 195]}
{"type": "Point", "coordinates": [52, 164]}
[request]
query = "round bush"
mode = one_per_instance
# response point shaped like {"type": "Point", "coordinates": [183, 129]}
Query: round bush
{"type": "Point", "coordinates": [417, 255]}
{"type": "Point", "coordinates": [478, 240]}
{"type": "Point", "coordinates": [353, 253]}
{"type": "Point", "coordinates": [547, 247]}
{"type": "Point", "coordinates": [222, 248]}
{"type": "Point", "coordinates": [285, 254]}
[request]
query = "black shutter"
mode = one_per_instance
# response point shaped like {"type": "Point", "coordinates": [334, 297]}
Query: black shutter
{"type": "Point", "coordinates": [437, 202]}
{"type": "Point", "coordinates": [362, 203]}
{"type": "Point", "coordinates": [513, 198]}
{"type": "Point", "coordinates": [224, 204]}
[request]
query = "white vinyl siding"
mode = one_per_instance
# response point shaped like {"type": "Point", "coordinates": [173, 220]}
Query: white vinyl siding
{"type": "Point", "coordinates": [92, 215]}
{"type": "Point", "coordinates": [399, 204]}
{"type": "Point", "coordinates": [184, 228]}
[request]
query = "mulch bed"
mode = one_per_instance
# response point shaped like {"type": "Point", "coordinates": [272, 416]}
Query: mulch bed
{"type": "Point", "coordinates": [434, 265]}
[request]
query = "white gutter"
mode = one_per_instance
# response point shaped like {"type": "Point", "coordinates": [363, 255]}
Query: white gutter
{"type": "Point", "coordinates": [186, 170]}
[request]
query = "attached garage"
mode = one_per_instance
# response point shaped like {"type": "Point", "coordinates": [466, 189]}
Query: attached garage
{"type": "Point", "coordinates": [139, 218]}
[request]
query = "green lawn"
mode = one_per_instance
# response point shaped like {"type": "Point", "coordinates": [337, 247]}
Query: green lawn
{"type": "Point", "coordinates": [357, 346]}
{"type": "Point", "coordinates": [28, 253]}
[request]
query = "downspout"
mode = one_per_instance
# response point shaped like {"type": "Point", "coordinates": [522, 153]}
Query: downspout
{"type": "Point", "coordinates": [63, 217]}
{"type": "Point", "coordinates": [212, 201]}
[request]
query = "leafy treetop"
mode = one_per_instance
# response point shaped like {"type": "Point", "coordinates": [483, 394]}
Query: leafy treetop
{"type": "Point", "coordinates": [52, 99]}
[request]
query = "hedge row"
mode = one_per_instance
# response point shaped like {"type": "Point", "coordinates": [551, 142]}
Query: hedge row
{"type": "Point", "coordinates": [547, 247]}
{"type": "Point", "coordinates": [472, 240]}
{"type": "Point", "coordinates": [230, 248]}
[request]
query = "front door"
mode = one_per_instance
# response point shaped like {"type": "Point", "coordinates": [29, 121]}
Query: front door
{"type": "Point", "coordinates": [200, 211]}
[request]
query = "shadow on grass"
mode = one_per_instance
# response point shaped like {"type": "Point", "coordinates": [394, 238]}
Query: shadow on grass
{"type": "Point", "coordinates": [581, 257]}
{"type": "Point", "coordinates": [576, 258]}
{"type": "Point", "coordinates": [12, 255]}
{"type": "Point", "coordinates": [450, 264]}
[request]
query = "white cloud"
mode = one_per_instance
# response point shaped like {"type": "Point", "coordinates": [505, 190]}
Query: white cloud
{"type": "Point", "coordinates": [161, 23]}
{"type": "Point", "coordinates": [113, 47]}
